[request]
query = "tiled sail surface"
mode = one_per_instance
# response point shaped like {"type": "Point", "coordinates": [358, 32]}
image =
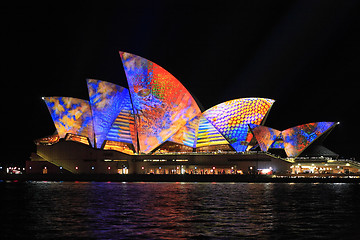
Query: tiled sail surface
{"type": "Point", "coordinates": [106, 100]}
{"type": "Point", "coordinates": [162, 105]}
{"type": "Point", "coordinates": [231, 119]}
{"type": "Point", "coordinates": [208, 135]}
{"type": "Point", "coordinates": [187, 134]}
{"type": "Point", "coordinates": [278, 142]}
{"type": "Point", "coordinates": [71, 115]}
{"type": "Point", "coordinates": [265, 136]}
{"type": "Point", "coordinates": [121, 129]}
{"type": "Point", "coordinates": [298, 138]}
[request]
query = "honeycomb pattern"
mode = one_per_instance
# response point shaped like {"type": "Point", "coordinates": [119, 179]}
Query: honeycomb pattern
{"type": "Point", "coordinates": [231, 118]}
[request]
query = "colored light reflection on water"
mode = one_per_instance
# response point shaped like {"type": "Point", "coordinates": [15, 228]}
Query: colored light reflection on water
{"type": "Point", "coordinates": [111, 210]}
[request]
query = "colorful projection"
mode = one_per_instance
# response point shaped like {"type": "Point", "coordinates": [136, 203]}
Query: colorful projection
{"type": "Point", "coordinates": [298, 138]}
{"type": "Point", "coordinates": [121, 129]}
{"type": "Point", "coordinates": [278, 143]}
{"type": "Point", "coordinates": [157, 108]}
{"type": "Point", "coordinates": [162, 105]}
{"type": "Point", "coordinates": [49, 140]}
{"type": "Point", "coordinates": [231, 119]}
{"type": "Point", "coordinates": [187, 134]}
{"type": "Point", "coordinates": [265, 136]}
{"type": "Point", "coordinates": [119, 146]}
{"type": "Point", "coordinates": [71, 115]}
{"type": "Point", "coordinates": [106, 100]}
{"type": "Point", "coordinates": [77, 138]}
{"type": "Point", "coordinates": [208, 135]}
{"type": "Point", "coordinates": [293, 140]}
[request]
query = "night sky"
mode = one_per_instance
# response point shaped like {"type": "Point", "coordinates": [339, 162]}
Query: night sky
{"type": "Point", "coordinates": [303, 54]}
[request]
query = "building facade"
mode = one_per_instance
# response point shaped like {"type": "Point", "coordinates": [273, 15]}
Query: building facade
{"type": "Point", "coordinates": [156, 126]}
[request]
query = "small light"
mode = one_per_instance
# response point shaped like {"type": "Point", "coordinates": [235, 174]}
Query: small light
{"type": "Point", "coordinates": [142, 168]}
{"type": "Point", "coordinates": [109, 167]}
{"type": "Point", "coordinates": [61, 168]}
{"type": "Point", "coordinates": [92, 168]}
{"type": "Point", "coordinates": [76, 167]}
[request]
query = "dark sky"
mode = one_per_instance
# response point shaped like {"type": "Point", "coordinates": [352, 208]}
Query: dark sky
{"type": "Point", "coordinates": [303, 54]}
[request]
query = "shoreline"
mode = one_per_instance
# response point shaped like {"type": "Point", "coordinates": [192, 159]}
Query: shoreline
{"type": "Point", "coordinates": [182, 178]}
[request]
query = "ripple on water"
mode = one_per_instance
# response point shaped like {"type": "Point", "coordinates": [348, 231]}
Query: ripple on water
{"type": "Point", "coordinates": [93, 210]}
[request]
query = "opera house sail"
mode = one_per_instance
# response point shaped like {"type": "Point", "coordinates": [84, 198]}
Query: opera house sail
{"type": "Point", "coordinates": [293, 140]}
{"type": "Point", "coordinates": [231, 119]}
{"type": "Point", "coordinates": [71, 116]}
{"type": "Point", "coordinates": [156, 114]}
{"type": "Point", "coordinates": [161, 104]}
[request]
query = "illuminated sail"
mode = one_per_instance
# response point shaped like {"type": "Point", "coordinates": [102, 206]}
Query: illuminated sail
{"type": "Point", "coordinates": [71, 115]}
{"type": "Point", "coordinates": [231, 119]}
{"type": "Point", "coordinates": [265, 136]}
{"type": "Point", "coordinates": [297, 139]}
{"type": "Point", "coordinates": [161, 104]}
{"type": "Point", "coordinates": [106, 100]}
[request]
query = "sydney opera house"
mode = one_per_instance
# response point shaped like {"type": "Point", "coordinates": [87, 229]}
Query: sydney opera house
{"type": "Point", "coordinates": [156, 126]}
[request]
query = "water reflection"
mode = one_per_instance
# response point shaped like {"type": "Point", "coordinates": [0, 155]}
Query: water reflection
{"type": "Point", "coordinates": [175, 211]}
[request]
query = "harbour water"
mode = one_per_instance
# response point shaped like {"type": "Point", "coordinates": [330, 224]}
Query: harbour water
{"type": "Point", "coordinates": [115, 210]}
